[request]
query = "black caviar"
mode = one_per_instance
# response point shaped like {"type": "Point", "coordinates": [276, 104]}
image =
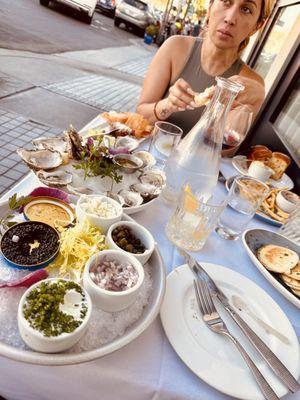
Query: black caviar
{"type": "Point", "coordinates": [126, 239]}
{"type": "Point", "coordinates": [42, 311]}
{"type": "Point", "coordinates": [30, 243]}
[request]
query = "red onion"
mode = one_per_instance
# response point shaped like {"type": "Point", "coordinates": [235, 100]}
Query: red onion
{"type": "Point", "coordinates": [27, 280]}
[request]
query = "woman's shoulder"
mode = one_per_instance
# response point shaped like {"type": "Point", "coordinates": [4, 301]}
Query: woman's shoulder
{"type": "Point", "coordinates": [248, 72]}
{"type": "Point", "coordinates": [180, 43]}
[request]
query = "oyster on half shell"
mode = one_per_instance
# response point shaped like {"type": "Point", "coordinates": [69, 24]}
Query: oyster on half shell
{"type": "Point", "coordinates": [55, 178]}
{"type": "Point", "coordinates": [146, 157]}
{"type": "Point", "coordinates": [115, 196]}
{"type": "Point", "coordinates": [126, 142]}
{"type": "Point", "coordinates": [131, 199]}
{"type": "Point", "coordinates": [146, 190]}
{"type": "Point", "coordinates": [153, 177]}
{"type": "Point", "coordinates": [41, 159]}
{"type": "Point", "coordinates": [58, 143]}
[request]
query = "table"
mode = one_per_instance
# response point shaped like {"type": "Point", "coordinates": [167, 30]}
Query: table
{"type": "Point", "coordinates": [147, 368]}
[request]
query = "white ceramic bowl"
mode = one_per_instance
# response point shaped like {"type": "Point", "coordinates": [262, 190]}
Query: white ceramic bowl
{"type": "Point", "coordinates": [108, 300]}
{"type": "Point", "coordinates": [53, 344]}
{"type": "Point", "coordinates": [97, 221]}
{"type": "Point", "coordinates": [140, 232]}
{"type": "Point", "coordinates": [286, 204]}
{"type": "Point", "coordinates": [258, 170]}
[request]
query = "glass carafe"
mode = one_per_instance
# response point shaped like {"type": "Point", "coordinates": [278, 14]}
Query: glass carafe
{"type": "Point", "coordinates": [196, 159]}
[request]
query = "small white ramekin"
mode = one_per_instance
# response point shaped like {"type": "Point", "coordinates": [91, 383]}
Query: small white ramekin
{"type": "Point", "coordinates": [284, 204]}
{"type": "Point", "coordinates": [95, 220]}
{"type": "Point", "coordinates": [53, 344]}
{"type": "Point", "coordinates": [108, 300]}
{"type": "Point", "coordinates": [140, 232]}
{"type": "Point", "coordinates": [259, 171]}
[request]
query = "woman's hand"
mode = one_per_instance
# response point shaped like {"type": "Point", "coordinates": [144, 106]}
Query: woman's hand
{"type": "Point", "coordinates": [253, 95]}
{"type": "Point", "coordinates": [181, 96]}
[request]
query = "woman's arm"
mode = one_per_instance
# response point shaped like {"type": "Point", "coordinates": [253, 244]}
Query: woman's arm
{"type": "Point", "coordinates": [254, 93]}
{"type": "Point", "coordinates": [160, 73]}
{"type": "Point", "coordinates": [253, 96]}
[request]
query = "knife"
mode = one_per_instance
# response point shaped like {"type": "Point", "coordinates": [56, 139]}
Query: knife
{"type": "Point", "coordinates": [275, 364]}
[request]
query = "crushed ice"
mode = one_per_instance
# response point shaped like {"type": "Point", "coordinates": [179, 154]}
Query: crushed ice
{"type": "Point", "coordinates": [103, 327]}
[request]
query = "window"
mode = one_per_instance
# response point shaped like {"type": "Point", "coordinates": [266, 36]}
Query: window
{"type": "Point", "coordinates": [284, 23]}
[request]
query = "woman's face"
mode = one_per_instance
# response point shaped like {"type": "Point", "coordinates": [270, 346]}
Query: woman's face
{"type": "Point", "coordinates": [231, 21]}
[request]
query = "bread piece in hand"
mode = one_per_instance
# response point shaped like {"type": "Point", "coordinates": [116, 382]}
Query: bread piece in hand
{"type": "Point", "coordinates": [279, 163]}
{"type": "Point", "coordinates": [201, 99]}
{"type": "Point", "coordinates": [277, 258]}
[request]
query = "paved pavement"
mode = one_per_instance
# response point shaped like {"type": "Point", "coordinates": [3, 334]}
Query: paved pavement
{"type": "Point", "coordinates": [17, 131]}
{"type": "Point", "coordinates": [99, 91]}
{"type": "Point", "coordinates": [43, 102]}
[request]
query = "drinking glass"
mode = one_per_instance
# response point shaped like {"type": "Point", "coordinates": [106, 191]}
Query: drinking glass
{"type": "Point", "coordinates": [165, 138]}
{"type": "Point", "coordinates": [237, 125]}
{"type": "Point", "coordinates": [244, 197]}
{"type": "Point", "coordinates": [290, 228]}
{"type": "Point", "coordinates": [193, 219]}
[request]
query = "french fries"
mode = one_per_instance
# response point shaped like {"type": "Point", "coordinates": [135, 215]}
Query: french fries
{"type": "Point", "coordinates": [270, 207]}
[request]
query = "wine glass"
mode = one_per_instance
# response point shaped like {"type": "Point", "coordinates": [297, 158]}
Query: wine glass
{"type": "Point", "coordinates": [237, 125]}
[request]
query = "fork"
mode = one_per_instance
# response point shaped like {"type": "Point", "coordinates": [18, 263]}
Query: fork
{"type": "Point", "coordinates": [214, 322]}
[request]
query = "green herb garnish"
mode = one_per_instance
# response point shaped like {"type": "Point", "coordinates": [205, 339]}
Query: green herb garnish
{"type": "Point", "coordinates": [14, 203]}
{"type": "Point", "coordinates": [97, 161]}
{"type": "Point", "coordinates": [42, 311]}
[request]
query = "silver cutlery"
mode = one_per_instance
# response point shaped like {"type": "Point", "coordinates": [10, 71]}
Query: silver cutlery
{"type": "Point", "coordinates": [272, 360]}
{"type": "Point", "coordinates": [214, 322]}
{"type": "Point", "coordinates": [241, 305]}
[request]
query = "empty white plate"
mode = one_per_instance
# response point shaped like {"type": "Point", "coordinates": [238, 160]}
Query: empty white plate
{"type": "Point", "coordinates": [212, 357]}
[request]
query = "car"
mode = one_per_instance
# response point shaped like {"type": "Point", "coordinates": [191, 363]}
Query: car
{"type": "Point", "coordinates": [85, 7]}
{"type": "Point", "coordinates": [107, 7]}
{"type": "Point", "coordinates": [133, 13]}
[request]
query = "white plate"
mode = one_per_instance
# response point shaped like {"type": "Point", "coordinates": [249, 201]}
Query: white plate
{"type": "Point", "coordinates": [213, 357]}
{"type": "Point", "coordinates": [255, 238]}
{"type": "Point", "coordinates": [240, 164]}
{"type": "Point", "coordinates": [259, 214]}
{"type": "Point", "coordinates": [148, 315]}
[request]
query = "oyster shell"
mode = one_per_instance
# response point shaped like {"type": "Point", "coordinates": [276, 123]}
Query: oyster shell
{"type": "Point", "coordinates": [115, 196]}
{"type": "Point", "coordinates": [146, 157]}
{"type": "Point", "coordinates": [131, 199]}
{"type": "Point", "coordinates": [146, 190]}
{"type": "Point", "coordinates": [55, 178]}
{"type": "Point", "coordinates": [74, 141]}
{"type": "Point", "coordinates": [126, 142]}
{"type": "Point", "coordinates": [78, 191]}
{"type": "Point", "coordinates": [41, 159]}
{"type": "Point", "coordinates": [153, 177]}
{"type": "Point", "coordinates": [58, 143]}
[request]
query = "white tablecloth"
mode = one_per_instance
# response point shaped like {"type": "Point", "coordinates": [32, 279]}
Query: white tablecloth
{"type": "Point", "coordinates": [147, 368]}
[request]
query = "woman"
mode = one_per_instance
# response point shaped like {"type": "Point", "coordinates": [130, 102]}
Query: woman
{"type": "Point", "coordinates": [184, 65]}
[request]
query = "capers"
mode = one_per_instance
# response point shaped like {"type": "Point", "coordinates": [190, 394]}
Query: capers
{"type": "Point", "coordinates": [126, 239]}
{"type": "Point", "coordinates": [42, 311]}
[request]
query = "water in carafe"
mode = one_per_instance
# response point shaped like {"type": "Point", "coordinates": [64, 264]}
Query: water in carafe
{"type": "Point", "coordinates": [196, 159]}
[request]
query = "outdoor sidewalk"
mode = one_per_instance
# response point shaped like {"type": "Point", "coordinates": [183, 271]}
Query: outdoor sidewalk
{"type": "Point", "coordinates": [41, 95]}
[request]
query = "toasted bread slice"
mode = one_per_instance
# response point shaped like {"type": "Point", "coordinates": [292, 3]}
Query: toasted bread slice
{"type": "Point", "coordinates": [279, 163]}
{"type": "Point", "coordinates": [277, 259]}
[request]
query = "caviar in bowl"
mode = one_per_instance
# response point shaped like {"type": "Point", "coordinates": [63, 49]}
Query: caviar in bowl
{"type": "Point", "coordinates": [132, 238]}
{"type": "Point", "coordinates": [53, 315]}
{"type": "Point", "coordinates": [30, 245]}
{"type": "Point", "coordinates": [113, 279]}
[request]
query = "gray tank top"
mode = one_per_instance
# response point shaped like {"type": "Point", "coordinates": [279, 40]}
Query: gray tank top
{"type": "Point", "coordinates": [198, 79]}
